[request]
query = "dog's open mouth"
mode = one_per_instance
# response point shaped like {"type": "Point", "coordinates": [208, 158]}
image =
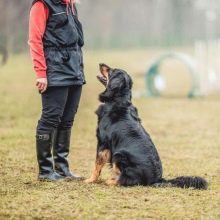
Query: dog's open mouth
{"type": "Point", "coordinates": [102, 79]}
{"type": "Point", "coordinates": [104, 76]}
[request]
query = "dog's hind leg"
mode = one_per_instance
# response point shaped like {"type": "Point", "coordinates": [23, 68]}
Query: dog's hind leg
{"type": "Point", "coordinates": [116, 175]}
{"type": "Point", "coordinates": [132, 177]}
{"type": "Point", "coordinates": [112, 182]}
{"type": "Point", "coordinates": [102, 158]}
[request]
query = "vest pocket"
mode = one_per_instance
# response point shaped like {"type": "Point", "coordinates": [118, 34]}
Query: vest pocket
{"type": "Point", "coordinates": [74, 62]}
{"type": "Point", "coordinates": [54, 57]}
{"type": "Point", "coordinates": [58, 20]}
{"type": "Point", "coordinates": [64, 59]}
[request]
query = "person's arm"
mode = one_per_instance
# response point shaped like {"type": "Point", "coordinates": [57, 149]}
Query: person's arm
{"type": "Point", "coordinates": [37, 25]}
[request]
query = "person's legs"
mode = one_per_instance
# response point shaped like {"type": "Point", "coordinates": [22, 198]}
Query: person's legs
{"type": "Point", "coordinates": [53, 102]}
{"type": "Point", "coordinates": [72, 103]}
{"type": "Point", "coordinates": [62, 140]}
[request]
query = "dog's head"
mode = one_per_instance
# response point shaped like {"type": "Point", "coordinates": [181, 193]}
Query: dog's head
{"type": "Point", "coordinates": [118, 84]}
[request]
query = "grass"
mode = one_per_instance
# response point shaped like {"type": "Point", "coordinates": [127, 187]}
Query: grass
{"type": "Point", "coordinates": [186, 133]}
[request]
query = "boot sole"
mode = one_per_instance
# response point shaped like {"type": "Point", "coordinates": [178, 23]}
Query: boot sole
{"type": "Point", "coordinates": [50, 180]}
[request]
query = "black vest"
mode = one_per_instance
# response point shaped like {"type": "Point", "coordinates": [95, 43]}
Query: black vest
{"type": "Point", "coordinates": [62, 42]}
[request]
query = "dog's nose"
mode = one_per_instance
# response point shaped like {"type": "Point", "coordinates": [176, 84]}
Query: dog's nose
{"type": "Point", "coordinates": [103, 65]}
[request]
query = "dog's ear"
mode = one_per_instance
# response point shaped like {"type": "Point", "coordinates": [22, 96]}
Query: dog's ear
{"type": "Point", "coordinates": [121, 81]}
{"type": "Point", "coordinates": [117, 83]}
{"type": "Point", "coordinates": [114, 88]}
{"type": "Point", "coordinates": [104, 69]}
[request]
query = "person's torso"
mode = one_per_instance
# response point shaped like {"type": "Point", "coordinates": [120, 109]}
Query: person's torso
{"type": "Point", "coordinates": [62, 40]}
{"type": "Point", "coordinates": [63, 27]}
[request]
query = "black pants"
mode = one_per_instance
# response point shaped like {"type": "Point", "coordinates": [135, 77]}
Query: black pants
{"type": "Point", "coordinates": [60, 105]}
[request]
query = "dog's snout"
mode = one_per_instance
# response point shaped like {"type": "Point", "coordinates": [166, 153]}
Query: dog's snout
{"type": "Point", "coordinates": [102, 65]}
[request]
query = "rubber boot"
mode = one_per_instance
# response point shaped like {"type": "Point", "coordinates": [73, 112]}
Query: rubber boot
{"type": "Point", "coordinates": [60, 153]}
{"type": "Point", "coordinates": [44, 158]}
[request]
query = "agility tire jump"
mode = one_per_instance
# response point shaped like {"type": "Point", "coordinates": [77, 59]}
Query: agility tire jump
{"type": "Point", "coordinates": [153, 72]}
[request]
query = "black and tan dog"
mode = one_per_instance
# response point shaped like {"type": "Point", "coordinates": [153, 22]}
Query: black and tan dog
{"type": "Point", "coordinates": [124, 143]}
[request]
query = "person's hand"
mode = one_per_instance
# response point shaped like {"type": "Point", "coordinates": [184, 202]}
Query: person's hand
{"type": "Point", "coordinates": [41, 84]}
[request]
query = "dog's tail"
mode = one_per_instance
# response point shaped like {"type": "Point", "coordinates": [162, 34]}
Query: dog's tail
{"type": "Point", "coordinates": [184, 182]}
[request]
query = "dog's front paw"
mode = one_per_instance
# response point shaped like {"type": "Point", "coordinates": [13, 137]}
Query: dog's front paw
{"type": "Point", "coordinates": [90, 180]}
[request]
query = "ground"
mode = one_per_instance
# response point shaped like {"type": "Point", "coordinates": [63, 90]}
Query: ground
{"type": "Point", "coordinates": [186, 133]}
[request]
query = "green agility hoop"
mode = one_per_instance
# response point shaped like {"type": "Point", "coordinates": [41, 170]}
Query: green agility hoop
{"type": "Point", "coordinates": [153, 72]}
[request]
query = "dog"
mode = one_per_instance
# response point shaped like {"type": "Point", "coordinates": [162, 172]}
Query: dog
{"type": "Point", "coordinates": [124, 143]}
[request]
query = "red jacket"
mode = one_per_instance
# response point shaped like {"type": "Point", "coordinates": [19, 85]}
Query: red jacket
{"type": "Point", "coordinates": [37, 24]}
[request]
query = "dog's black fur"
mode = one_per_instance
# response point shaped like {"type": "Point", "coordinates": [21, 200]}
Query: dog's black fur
{"type": "Point", "coordinates": [131, 148]}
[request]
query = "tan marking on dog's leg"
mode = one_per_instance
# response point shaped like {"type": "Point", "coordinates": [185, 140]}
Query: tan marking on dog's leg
{"type": "Point", "coordinates": [116, 173]}
{"type": "Point", "coordinates": [112, 182]}
{"type": "Point", "coordinates": [102, 159]}
{"type": "Point", "coordinates": [116, 169]}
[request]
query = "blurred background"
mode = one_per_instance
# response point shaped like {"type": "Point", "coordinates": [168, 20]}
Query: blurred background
{"type": "Point", "coordinates": [120, 24]}
{"type": "Point", "coordinates": [171, 48]}
{"type": "Point", "coordinates": [157, 27]}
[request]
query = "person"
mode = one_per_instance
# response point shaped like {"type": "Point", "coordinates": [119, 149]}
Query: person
{"type": "Point", "coordinates": [56, 41]}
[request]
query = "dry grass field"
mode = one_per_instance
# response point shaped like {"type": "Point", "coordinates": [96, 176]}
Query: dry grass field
{"type": "Point", "coordinates": [186, 133]}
